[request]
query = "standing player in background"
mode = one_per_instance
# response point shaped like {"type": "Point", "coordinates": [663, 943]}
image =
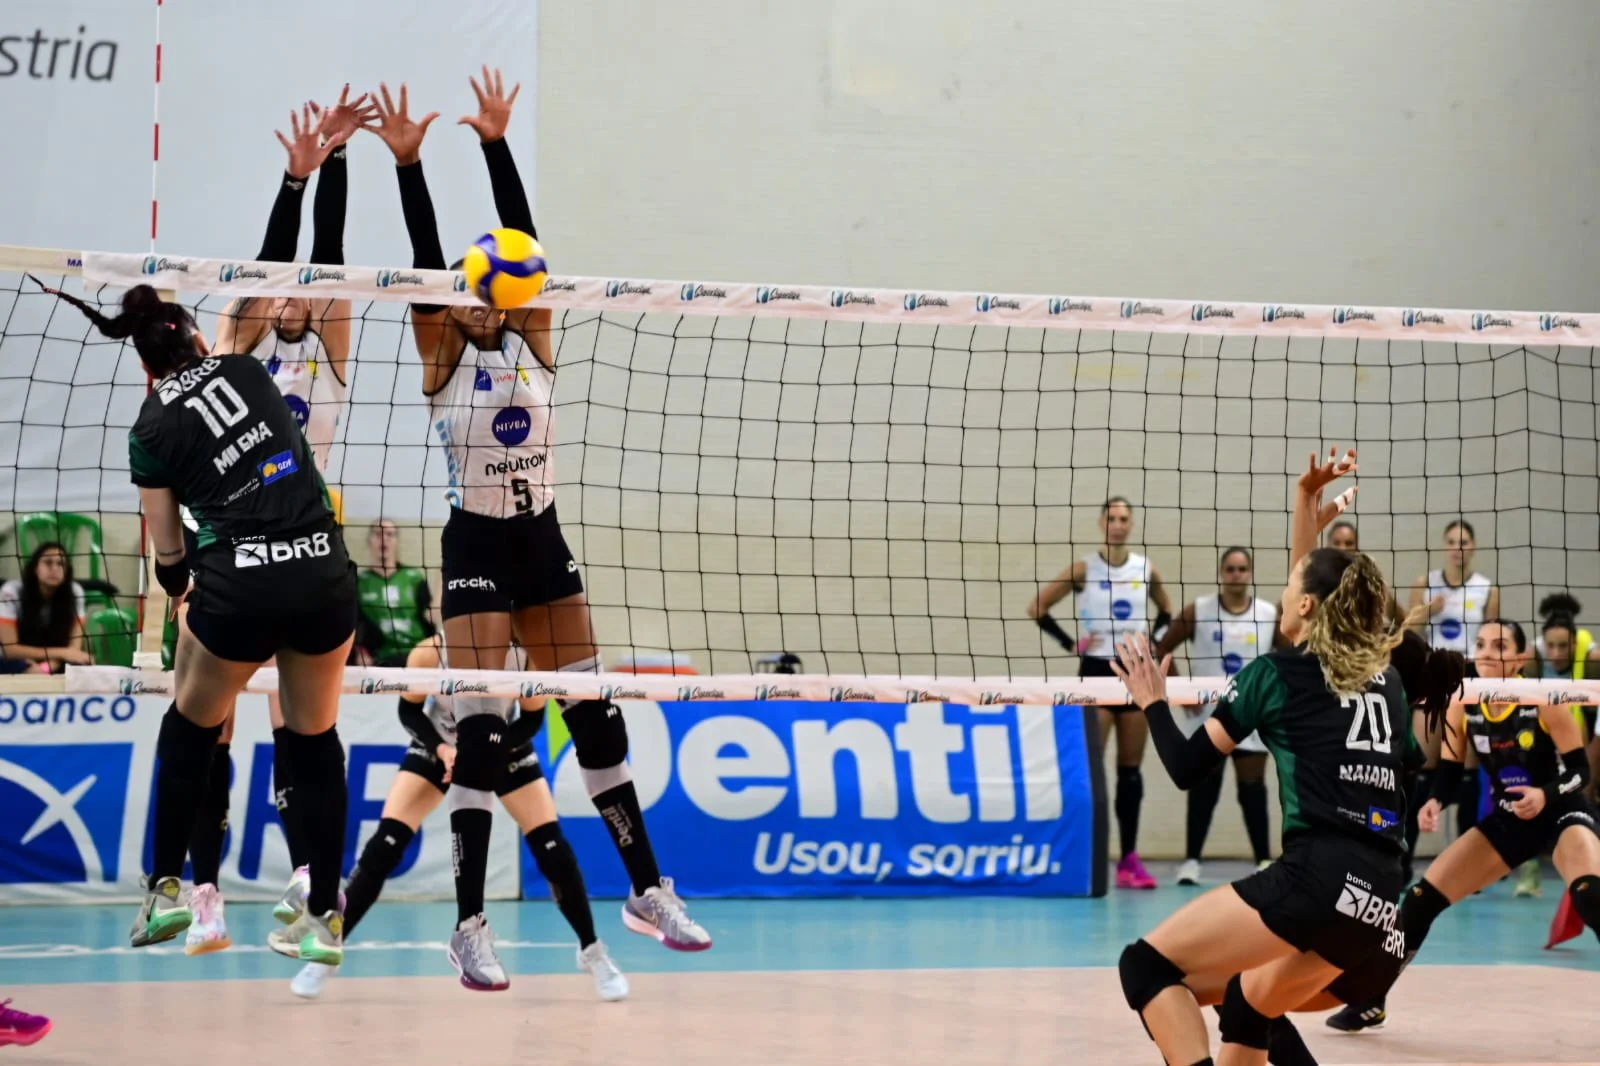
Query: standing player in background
{"type": "Point", "coordinates": [1113, 590]}
{"type": "Point", "coordinates": [396, 602]}
{"type": "Point", "coordinates": [418, 789]}
{"type": "Point", "coordinates": [1568, 650]}
{"type": "Point", "coordinates": [305, 346]}
{"type": "Point", "coordinates": [508, 573]}
{"type": "Point", "coordinates": [1343, 536]}
{"type": "Point", "coordinates": [1228, 629]}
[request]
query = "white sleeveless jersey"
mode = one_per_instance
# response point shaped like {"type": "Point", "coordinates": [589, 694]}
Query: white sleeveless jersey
{"type": "Point", "coordinates": [1114, 601]}
{"type": "Point", "coordinates": [442, 709]}
{"type": "Point", "coordinates": [304, 376]}
{"type": "Point", "coordinates": [493, 419]}
{"type": "Point", "coordinates": [1455, 627]}
{"type": "Point", "coordinates": [1223, 643]}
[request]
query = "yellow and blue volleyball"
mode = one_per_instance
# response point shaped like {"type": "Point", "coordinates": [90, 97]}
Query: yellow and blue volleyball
{"type": "Point", "coordinates": [505, 268]}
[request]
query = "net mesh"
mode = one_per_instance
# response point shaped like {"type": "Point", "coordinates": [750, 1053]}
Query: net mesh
{"type": "Point", "coordinates": [884, 498]}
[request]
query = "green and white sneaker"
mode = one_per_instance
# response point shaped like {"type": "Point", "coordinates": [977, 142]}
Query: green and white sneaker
{"type": "Point", "coordinates": [292, 904]}
{"type": "Point", "coordinates": [163, 915]}
{"type": "Point", "coordinates": [311, 939]}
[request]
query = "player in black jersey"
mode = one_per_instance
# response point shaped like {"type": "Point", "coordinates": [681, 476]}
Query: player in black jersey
{"type": "Point", "coordinates": [270, 576]}
{"type": "Point", "coordinates": [1332, 712]}
{"type": "Point", "coordinates": [1538, 771]}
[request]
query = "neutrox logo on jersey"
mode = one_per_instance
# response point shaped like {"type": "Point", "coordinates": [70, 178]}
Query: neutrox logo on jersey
{"type": "Point", "coordinates": [155, 264]}
{"type": "Point", "coordinates": [231, 272]}
{"type": "Point", "coordinates": [247, 553]}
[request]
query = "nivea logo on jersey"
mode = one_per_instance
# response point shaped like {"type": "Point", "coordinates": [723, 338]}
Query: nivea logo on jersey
{"type": "Point", "coordinates": [311, 275]}
{"type": "Point", "coordinates": [1201, 312]}
{"type": "Point", "coordinates": [65, 805]}
{"type": "Point", "coordinates": [1232, 663]}
{"type": "Point", "coordinates": [693, 291]}
{"type": "Point", "coordinates": [1280, 313]}
{"type": "Point", "coordinates": [766, 294]}
{"type": "Point", "coordinates": [914, 300]}
{"type": "Point", "coordinates": [1554, 322]}
{"type": "Point", "coordinates": [626, 288]}
{"type": "Point", "coordinates": [1061, 305]}
{"type": "Point", "coordinates": [512, 426]}
{"type": "Point", "coordinates": [1412, 317]}
{"type": "Point", "coordinates": [985, 304]}
{"type": "Point", "coordinates": [155, 264]}
{"type": "Point", "coordinates": [300, 409]}
{"type": "Point", "coordinates": [1343, 316]}
{"type": "Point", "coordinates": [1482, 320]}
{"type": "Point", "coordinates": [1451, 629]}
{"type": "Point", "coordinates": [1135, 308]}
{"type": "Point", "coordinates": [1121, 610]}
{"type": "Point", "coordinates": [279, 466]}
{"type": "Point", "coordinates": [389, 278]}
{"type": "Point", "coordinates": [231, 272]}
{"type": "Point", "coordinates": [846, 297]}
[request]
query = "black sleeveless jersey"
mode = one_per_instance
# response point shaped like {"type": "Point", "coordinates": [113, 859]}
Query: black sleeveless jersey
{"type": "Point", "coordinates": [1514, 748]}
{"type": "Point", "coordinates": [220, 436]}
{"type": "Point", "coordinates": [1339, 759]}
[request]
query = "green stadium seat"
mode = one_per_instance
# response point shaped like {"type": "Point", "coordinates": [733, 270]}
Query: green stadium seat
{"type": "Point", "coordinates": [113, 635]}
{"type": "Point", "coordinates": [78, 533]}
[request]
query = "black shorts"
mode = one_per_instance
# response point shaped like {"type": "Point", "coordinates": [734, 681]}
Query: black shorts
{"type": "Point", "coordinates": [1517, 840]}
{"type": "Point", "coordinates": [1094, 666]}
{"type": "Point", "coordinates": [498, 565]}
{"type": "Point", "coordinates": [305, 606]}
{"type": "Point", "coordinates": [1331, 895]}
{"type": "Point", "coordinates": [522, 769]}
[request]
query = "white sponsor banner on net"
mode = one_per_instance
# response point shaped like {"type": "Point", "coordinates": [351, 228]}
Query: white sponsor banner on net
{"type": "Point", "coordinates": [195, 275]}
{"type": "Point", "coordinates": [76, 788]}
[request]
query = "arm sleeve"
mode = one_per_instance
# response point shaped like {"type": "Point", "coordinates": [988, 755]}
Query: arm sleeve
{"type": "Point", "coordinates": [1189, 760]}
{"type": "Point", "coordinates": [422, 225]}
{"type": "Point", "coordinates": [414, 716]}
{"type": "Point", "coordinates": [510, 198]}
{"type": "Point", "coordinates": [1574, 777]}
{"type": "Point", "coordinates": [327, 209]}
{"type": "Point", "coordinates": [1254, 697]}
{"type": "Point", "coordinates": [1052, 627]}
{"type": "Point", "coordinates": [1447, 782]}
{"type": "Point", "coordinates": [283, 223]}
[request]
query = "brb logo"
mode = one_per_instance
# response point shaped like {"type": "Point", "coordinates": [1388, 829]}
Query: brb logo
{"type": "Point", "coordinates": [64, 807]}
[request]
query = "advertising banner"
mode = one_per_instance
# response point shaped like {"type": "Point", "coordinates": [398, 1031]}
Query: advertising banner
{"type": "Point", "coordinates": [799, 798]}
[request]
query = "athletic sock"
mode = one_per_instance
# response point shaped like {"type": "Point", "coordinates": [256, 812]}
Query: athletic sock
{"type": "Point", "coordinates": [559, 865]}
{"type": "Point", "coordinates": [619, 809]}
{"type": "Point", "coordinates": [211, 824]}
{"type": "Point", "coordinates": [317, 770]}
{"type": "Point", "coordinates": [1130, 797]}
{"type": "Point", "coordinates": [283, 789]}
{"type": "Point", "coordinates": [1202, 804]}
{"type": "Point", "coordinates": [469, 831]}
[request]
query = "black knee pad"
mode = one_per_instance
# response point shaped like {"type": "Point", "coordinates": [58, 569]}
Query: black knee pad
{"type": "Point", "coordinates": [1240, 1023]}
{"type": "Point", "coordinates": [185, 748]}
{"type": "Point", "coordinates": [524, 727]}
{"type": "Point", "coordinates": [480, 752]}
{"type": "Point", "coordinates": [599, 735]}
{"type": "Point", "coordinates": [553, 855]}
{"type": "Point", "coordinates": [384, 851]}
{"type": "Point", "coordinates": [1586, 900]}
{"type": "Point", "coordinates": [1146, 973]}
{"type": "Point", "coordinates": [318, 757]}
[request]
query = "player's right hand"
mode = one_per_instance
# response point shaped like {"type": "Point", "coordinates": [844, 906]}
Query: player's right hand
{"type": "Point", "coordinates": [1428, 816]}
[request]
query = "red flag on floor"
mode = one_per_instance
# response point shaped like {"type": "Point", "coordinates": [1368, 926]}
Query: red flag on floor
{"type": "Point", "coordinates": [1567, 924]}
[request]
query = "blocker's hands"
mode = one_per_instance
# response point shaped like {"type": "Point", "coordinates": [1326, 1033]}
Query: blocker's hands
{"type": "Point", "coordinates": [1137, 666]}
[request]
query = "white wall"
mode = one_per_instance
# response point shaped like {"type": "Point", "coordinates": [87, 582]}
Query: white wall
{"type": "Point", "coordinates": [1437, 153]}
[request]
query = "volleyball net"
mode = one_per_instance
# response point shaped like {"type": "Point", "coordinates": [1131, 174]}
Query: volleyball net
{"type": "Point", "coordinates": [877, 482]}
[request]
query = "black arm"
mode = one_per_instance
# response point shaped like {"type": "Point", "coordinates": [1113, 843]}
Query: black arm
{"type": "Point", "coordinates": [510, 199]}
{"type": "Point", "coordinates": [1189, 760]}
{"type": "Point", "coordinates": [422, 225]}
{"type": "Point", "coordinates": [327, 209]}
{"type": "Point", "coordinates": [283, 224]}
{"type": "Point", "coordinates": [414, 717]}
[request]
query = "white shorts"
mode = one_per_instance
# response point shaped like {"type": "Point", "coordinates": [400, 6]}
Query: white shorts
{"type": "Point", "coordinates": [1189, 723]}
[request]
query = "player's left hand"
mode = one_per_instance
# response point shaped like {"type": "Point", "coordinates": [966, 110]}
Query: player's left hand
{"type": "Point", "coordinates": [1529, 803]}
{"type": "Point", "coordinates": [447, 755]}
{"type": "Point", "coordinates": [494, 106]}
{"type": "Point", "coordinates": [337, 124]}
{"type": "Point", "coordinates": [1137, 666]}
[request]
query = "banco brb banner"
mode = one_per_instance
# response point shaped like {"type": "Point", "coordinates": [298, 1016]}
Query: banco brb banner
{"type": "Point", "coordinates": [850, 799]}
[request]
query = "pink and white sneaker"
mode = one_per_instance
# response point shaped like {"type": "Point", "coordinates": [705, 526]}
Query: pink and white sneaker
{"type": "Point", "coordinates": [1132, 874]}
{"type": "Point", "coordinates": [19, 1027]}
{"type": "Point", "coordinates": [209, 930]}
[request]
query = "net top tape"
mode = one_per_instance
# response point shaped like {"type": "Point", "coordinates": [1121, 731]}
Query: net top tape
{"type": "Point", "coordinates": [821, 688]}
{"type": "Point", "coordinates": [893, 306]}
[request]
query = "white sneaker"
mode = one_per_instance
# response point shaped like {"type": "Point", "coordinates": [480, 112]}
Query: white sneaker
{"type": "Point", "coordinates": [1189, 872]}
{"type": "Point", "coordinates": [209, 930]}
{"type": "Point", "coordinates": [472, 954]}
{"type": "Point", "coordinates": [609, 982]}
{"type": "Point", "coordinates": [308, 983]}
{"type": "Point", "coordinates": [292, 903]}
{"type": "Point", "coordinates": [660, 913]}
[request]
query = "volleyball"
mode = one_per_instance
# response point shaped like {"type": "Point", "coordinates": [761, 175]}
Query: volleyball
{"type": "Point", "coordinates": [505, 268]}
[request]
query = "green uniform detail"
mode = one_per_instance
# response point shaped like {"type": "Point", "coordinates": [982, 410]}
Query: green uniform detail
{"type": "Point", "coordinates": [397, 608]}
{"type": "Point", "coordinates": [1340, 760]}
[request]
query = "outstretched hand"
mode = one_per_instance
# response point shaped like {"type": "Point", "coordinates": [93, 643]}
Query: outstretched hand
{"type": "Point", "coordinates": [395, 127]}
{"type": "Point", "coordinates": [494, 106]}
{"type": "Point", "coordinates": [337, 124]}
{"type": "Point", "coordinates": [1137, 666]}
{"type": "Point", "coordinates": [1319, 476]}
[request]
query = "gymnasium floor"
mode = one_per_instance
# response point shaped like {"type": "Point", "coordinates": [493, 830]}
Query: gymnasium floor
{"type": "Point", "coordinates": [976, 981]}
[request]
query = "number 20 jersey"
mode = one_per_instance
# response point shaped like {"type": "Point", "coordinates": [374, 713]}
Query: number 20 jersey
{"type": "Point", "coordinates": [493, 418]}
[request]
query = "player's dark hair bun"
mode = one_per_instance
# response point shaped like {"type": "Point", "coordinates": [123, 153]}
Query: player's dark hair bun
{"type": "Point", "coordinates": [1559, 603]}
{"type": "Point", "coordinates": [162, 333]}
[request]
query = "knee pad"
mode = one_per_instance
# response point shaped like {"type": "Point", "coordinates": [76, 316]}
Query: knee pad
{"type": "Point", "coordinates": [1586, 900]}
{"type": "Point", "coordinates": [471, 799]}
{"type": "Point", "coordinates": [185, 748]}
{"type": "Point", "coordinates": [480, 753]}
{"type": "Point", "coordinates": [599, 735]}
{"type": "Point", "coordinates": [1240, 1023]}
{"type": "Point", "coordinates": [524, 727]}
{"type": "Point", "coordinates": [1146, 973]}
{"type": "Point", "coordinates": [553, 855]}
{"type": "Point", "coordinates": [317, 757]}
{"type": "Point", "coordinates": [384, 851]}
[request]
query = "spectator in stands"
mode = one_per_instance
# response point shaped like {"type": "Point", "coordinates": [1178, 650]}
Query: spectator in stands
{"type": "Point", "coordinates": [396, 603]}
{"type": "Point", "coordinates": [42, 613]}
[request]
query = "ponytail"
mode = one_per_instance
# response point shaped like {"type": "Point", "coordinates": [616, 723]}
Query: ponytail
{"type": "Point", "coordinates": [1349, 633]}
{"type": "Point", "coordinates": [162, 333]}
{"type": "Point", "coordinates": [1431, 677]}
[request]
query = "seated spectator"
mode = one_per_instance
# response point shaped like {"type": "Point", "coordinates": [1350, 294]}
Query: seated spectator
{"type": "Point", "coordinates": [42, 613]}
{"type": "Point", "coordinates": [396, 603]}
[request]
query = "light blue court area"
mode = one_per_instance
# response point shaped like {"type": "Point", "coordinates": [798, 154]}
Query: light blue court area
{"type": "Point", "coordinates": [49, 945]}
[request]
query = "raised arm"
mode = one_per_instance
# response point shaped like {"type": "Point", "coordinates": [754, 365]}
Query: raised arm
{"type": "Point", "coordinates": [335, 126]}
{"type": "Point", "coordinates": [1311, 515]}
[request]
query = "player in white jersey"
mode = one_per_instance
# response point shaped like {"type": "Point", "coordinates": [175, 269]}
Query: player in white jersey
{"type": "Point", "coordinates": [304, 345]}
{"type": "Point", "coordinates": [1113, 590]}
{"type": "Point", "coordinates": [420, 786]}
{"type": "Point", "coordinates": [508, 572]}
{"type": "Point", "coordinates": [1343, 536]}
{"type": "Point", "coordinates": [1228, 630]}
